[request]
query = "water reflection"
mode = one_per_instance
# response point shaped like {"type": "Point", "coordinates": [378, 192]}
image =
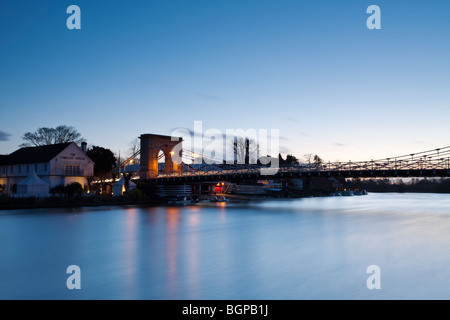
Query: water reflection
{"type": "Point", "coordinates": [172, 222]}
{"type": "Point", "coordinates": [130, 249]}
{"type": "Point", "coordinates": [304, 249]}
{"type": "Point", "coordinates": [194, 254]}
{"type": "Point", "coordinates": [222, 209]}
{"type": "Point", "coordinates": [151, 215]}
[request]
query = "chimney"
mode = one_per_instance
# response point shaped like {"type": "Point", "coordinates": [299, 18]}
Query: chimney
{"type": "Point", "coordinates": [84, 147]}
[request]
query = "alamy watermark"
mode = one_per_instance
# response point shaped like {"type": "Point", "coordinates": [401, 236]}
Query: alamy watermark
{"type": "Point", "coordinates": [374, 280]}
{"type": "Point", "coordinates": [74, 280]}
{"type": "Point", "coordinates": [374, 21]}
{"type": "Point", "coordinates": [234, 146]}
{"type": "Point", "coordinates": [74, 20]}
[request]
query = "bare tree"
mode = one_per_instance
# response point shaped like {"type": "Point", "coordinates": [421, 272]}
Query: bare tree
{"type": "Point", "coordinates": [65, 134]}
{"type": "Point", "coordinates": [308, 157]}
{"type": "Point", "coordinates": [245, 151]}
{"type": "Point", "coordinates": [47, 136]}
{"type": "Point", "coordinates": [133, 147]}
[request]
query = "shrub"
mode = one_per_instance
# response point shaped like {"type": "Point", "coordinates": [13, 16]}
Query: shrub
{"type": "Point", "coordinates": [71, 190]}
{"type": "Point", "coordinates": [136, 195]}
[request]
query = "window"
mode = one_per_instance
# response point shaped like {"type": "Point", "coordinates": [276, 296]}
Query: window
{"type": "Point", "coordinates": [72, 170]}
{"type": "Point", "coordinates": [28, 168]}
{"type": "Point", "coordinates": [20, 169]}
{"type": "Point", "coordinates": [45, 167]}
{"type": "Point", "coordinates": [36, 168]}
{"type": "Point", "coordinates": [11, 169]}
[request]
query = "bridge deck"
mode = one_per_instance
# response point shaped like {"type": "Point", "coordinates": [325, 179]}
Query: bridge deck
{"type": "Point", "coordinates": [255, 174]}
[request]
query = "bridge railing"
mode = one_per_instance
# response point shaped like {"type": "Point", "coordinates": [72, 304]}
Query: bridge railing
{"type": "Point", "coordinates": [326, 167]}
{"type": "Point", "coordinates": [437, 159]}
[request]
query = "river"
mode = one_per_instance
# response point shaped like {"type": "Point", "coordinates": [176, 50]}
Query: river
{"type": "Point", "coordinates": [313, 248]}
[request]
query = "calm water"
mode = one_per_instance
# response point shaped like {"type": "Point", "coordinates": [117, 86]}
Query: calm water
{"type": "Point", "coordinates": [315, 248]}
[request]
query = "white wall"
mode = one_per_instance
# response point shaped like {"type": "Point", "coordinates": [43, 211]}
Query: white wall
{"type": "Point", "coordinates": [74, 157]}
{"type": "Point", "coordinates": [10, 175]}
{"type": "Point", "coordinates": [56, 172]}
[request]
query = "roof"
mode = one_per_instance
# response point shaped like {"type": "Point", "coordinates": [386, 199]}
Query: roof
{"type": "Point", "coordinates": [3, 158]}
{"type": "Point", "coordinates": [35, 154]}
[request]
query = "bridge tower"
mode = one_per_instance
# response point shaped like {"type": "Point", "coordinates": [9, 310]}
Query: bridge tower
{"type": "Point", "coordinates": [151, 145]}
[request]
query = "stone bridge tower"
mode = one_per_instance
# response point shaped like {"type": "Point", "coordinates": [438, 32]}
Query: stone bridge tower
{"type": "Point", "coordinates": [151, 145]}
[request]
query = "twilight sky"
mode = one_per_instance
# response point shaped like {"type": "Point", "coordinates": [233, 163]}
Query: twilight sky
{"type": "Point", "coordinates": [311, 69]}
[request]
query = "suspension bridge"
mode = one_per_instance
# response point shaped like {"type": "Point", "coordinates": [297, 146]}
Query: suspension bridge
{"type": "Point", "coordinates": [430, 163]}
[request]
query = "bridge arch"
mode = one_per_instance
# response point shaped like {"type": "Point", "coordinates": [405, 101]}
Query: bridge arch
{"type": "Point", "coordinates": [151, 146]}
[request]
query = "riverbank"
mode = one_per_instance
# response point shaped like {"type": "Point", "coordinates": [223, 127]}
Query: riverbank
{"type": "Point", "coordinates": [59, 202]}
{"type": "Point", "coordinates": [9, 203]}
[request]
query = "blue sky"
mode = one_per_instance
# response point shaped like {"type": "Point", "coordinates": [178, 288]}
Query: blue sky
{"type": "Point", "coordinates": [311, 69]}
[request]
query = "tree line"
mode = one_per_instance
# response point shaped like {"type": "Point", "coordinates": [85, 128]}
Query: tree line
{"type": "Point", "coordinates": [415, 185]}
{"type": "Point", "coordinates": [245, 150]}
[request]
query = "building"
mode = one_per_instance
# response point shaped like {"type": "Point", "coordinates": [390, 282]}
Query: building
{"type": "Point", "coordinates": [54, 165]}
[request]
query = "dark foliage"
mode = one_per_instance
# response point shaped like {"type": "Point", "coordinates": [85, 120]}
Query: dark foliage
{"type": "Point", "coordinates": [71, 190]}
{"type": "Point", "coordinates": [104, 160]}
{"type": "Point", "coordinates": [416, 185]}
